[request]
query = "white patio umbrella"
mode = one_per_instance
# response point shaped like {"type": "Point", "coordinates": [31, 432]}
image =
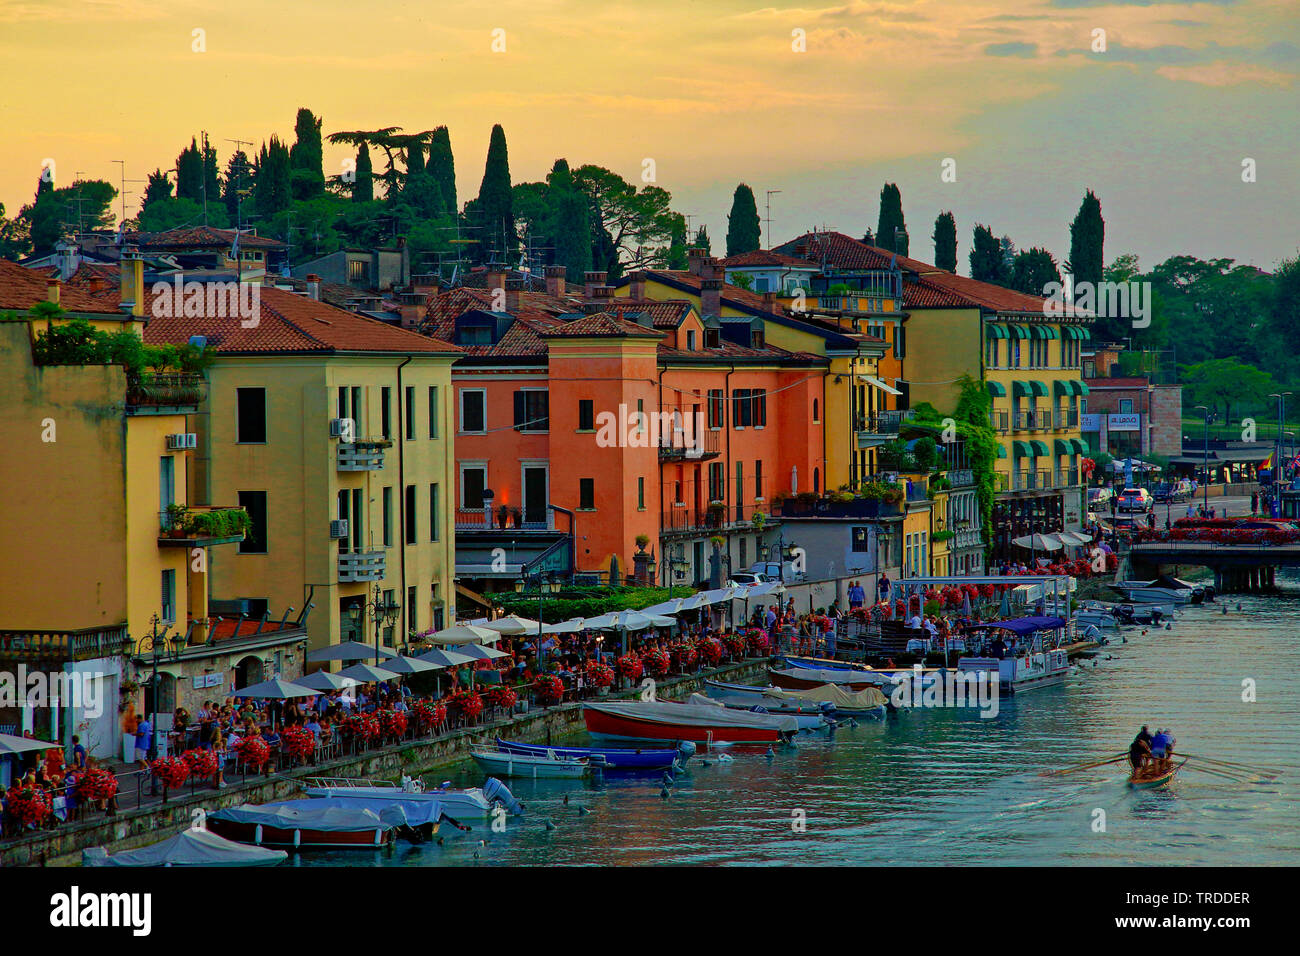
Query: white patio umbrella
{"type": "Point", "coordinates": [439, 657]}
{"type": "Point", "coordinates": [325, 681]}
{"type": "Point", "coordinates": [348, 651]}
{"type": "Point", "coordinates": [276, 690]}
{"type": "Point", "coordinates": [511, 624]}
{"type": "Point", "coordinates": [1038, 542]}
{"type": "Point", "coordinates": [624, 621]}
{"type": "Point", "coordinates": [480, 652]}
{"type": "Point", "coordinates": [464, 634]}
{"type": "Point", "coordinates": [572, 626]}
{"type": "Point", "coordinates": [367, 673]}
{"type": "Point", "coordinates": [11, 744]}
{"type": "Point", "coordinates": [408, 665]}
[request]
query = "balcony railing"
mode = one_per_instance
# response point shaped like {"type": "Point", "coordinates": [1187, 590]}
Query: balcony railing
{"type": "Point", "coordinates": [165, 390]}
{"type": "Point", "coordinates": [713, 518]}
{"type": "Point", "coordinates": [960, 477]}
{"type": "Point", "coordinates": [829, 508]}
{"type": "Point", "coordinates": [361, 566]}
{"type": "Point", "coordinates": [80, 645]}
{"type": "Point", "coordinates": [366, 455]}
{"type": "Point", "coordinates": [1067, 477]}
{"type": "Point", "coordinates": [512, 519]}
{"type": "Point", "coordinates": [202, 526]}
{"type": "Point", "coordinates": [1032, 420]}
{"type": "Point", "coordinates": [1067, 418]}
{"type": "Point", "coordinates": [999, 420]}
{"type": "Point", "coordinates": [1031, 480]}
{"type": "Point", "coordinates": [682, 446]}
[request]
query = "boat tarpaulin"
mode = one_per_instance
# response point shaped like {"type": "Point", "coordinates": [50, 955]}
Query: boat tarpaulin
{"type": "Point", "coordinates": [1022, 625]}
{"type": "Point", "coordinates": [190, 847]}
{"type": "Point", "coordinates": [413, 812]}
{"type": "Point", "coordinates": [320, 815]}
{"type": "Point", "coordinates": [837, 676]}
{"type": "Point", "coordinates": [864, 699]}
{"type": "Point", "coordinates": [667, 712]}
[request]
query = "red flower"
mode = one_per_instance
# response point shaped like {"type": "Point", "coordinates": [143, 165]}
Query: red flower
{"type": "Point", "coordinates": [172, 771]}
{"type": "Point", "coordinates": [466, 703]}
{"type": "Point", "coordinates": [735, 645]}
{"type": "Point", "coordinates": [501, 696]}
{"type": "Point", "coordinates": [428, 716]}
{"type": "Point", "coordinates": [709, 650]}
{"type": "Point", "coordinates": [254, 751]}
{"type": "Point", "coordinates": [298, 742]}
{"type": "Point", "coordinates": [202, 763]}
{"type": "Point", "coordinates": [683, 655]}
{"type": "Point", "coordinates": [96, 784]}
{"type": "Point", "coordinates": [599, 674]}
{"type": "Point", "coordinates": [30, 805]}
{"type": "Point", "coordinates": [549, 690]}
{"type": "Point", "coordinates": [656, 662]}
{"type": "Point", "coordinates": [630, 666]}
{"type": "Point", "coordinates": [757, 642]}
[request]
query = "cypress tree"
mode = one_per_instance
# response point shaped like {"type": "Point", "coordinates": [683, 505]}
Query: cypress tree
{"type": "Point", "coordinates": [702, 240]}
{"type": "Point", "coordinates": [1032, 270]}
{"type": "Point", "coordinates": [1087, 234]}
{"type": "Point", "coordinates": [743, 229]}
{"type": "Point", "coordinates": [211, 172]}
{"type": "Point", "coordinates": [986, 262]}
{"type": "Point", "coordinates": [239, 175]}
{"type": "Point", "coordinates": [272, 189]}
{"type": "Point", "coordinates": [442, 167]}
{"type": "Point", "coordinates": [189, 173]}
{"type": "Point", "coordinates": [306, 158]}
{"type": "Point", "coordinates": [945, 241]}
{"type": "Point", "coordinates": [568, 222]}
{"type": "Point", "coordinates": [363, 190]}
{"type": "Point", "coordinates": [891, 218]}
{"type": "Point", "coordinates": [495, 201]}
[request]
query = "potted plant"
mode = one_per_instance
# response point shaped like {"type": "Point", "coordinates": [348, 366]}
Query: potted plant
{"type": "Point", "coordinates": [177, 516]}
{"type": "Point", "coordinates": [642, 540]}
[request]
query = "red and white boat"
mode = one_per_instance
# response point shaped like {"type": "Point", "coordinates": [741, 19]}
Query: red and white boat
{"type": "Point", "coordinates": [699, 723]}
{"type": "Point", "coordinates": [301, 824]}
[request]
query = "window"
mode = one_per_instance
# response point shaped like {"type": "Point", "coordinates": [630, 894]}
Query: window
{"type": "Point", "coordinates": [758, 399]}
{"type": "Point", "coordinates": [412, 599]}
{"type": "Point", "coordinates": [433, 411]}
{"type": "Point", "coordinates": [1126, 406]}
{"type": "Point", "coordinates": [388, 516]}
{"type": "Point", "coordinates": [532, 410]}
{"type": "Point", "coordinates": [473, 404]}
{"type": "Point", "coordinates": [756, 339]}
{"type": "Point", "coordinates": [740, 490]}
{"type": "Point", "coordinates": [717, 408]}
{"type": "Point", "coordinates": [900, 341]}
{"type": "Point", "coordinates": [350, 509]}
{"type": "Point", "coordinates": [716, 478]}
{"type": "Point", "coordinates": [166, 483]}
{"type": "Point", "coordinates": [1015, 353]}
{"type": "Point", "coordinates": [410, 514]}
{"type": "Point", "coordinates": [758, 479]}
{"type": "Point", "coordinates": [349, 405]}
{"type": "Point", "coordinates": [861, 540]}
{"type": "Point", "coordinates": [816, 414]}
{"type": "Point", "coordinates": [690, 340]}
{"type": "Point", "coordinates": [640, 416]}
{"type": "Point", "coordinates": [586, 415]}
{"type": "Point", "coordinates": [587, 494]}
{"type": "Point", "coordinates": [433, 512]}
{"type": "Point", "coordinates": [741, 409]}
{"type": "Point", "coordinates": [250, 427]}
{"type": "Point", "coordinates": [168, 613]}
{"type": "Point", "coordinates": [713, 338]}
{"type": "Point", "coordinates": [410, 413]}
{"type": "Point", "coordinates": [389, 597]}
{"type": "Point", "coordinates": [991, 353]}
{"type": "Point", "coordinates": [386, 412]}
{"type": "Point", "coordinates": [254, 502]}
{"type": "Point", "coordinates": [640, 494]}
{"type": "Point", "coordinates": [473, 481]}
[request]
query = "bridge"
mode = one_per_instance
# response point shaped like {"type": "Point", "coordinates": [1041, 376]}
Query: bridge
{"type": "Point", "coordinates": [1236, 567]}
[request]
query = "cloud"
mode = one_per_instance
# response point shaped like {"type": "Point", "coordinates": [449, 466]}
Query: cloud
{"type": "Point", "coordinates": [1012, 49]}
{"type": "Point", "coordinates": [1074, 4]}
{"type": "Point", "coordinates": [1224, 73]}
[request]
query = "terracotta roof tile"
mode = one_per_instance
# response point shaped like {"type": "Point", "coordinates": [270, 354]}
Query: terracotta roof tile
{"type": "Point", "coordinates": [602, 325]}
{"type": "Point", "coordinates": [21, 288]}
{"type": "Point", "coordinates": [766, 257]}
{"type": "Point", "coordinates": [199, 237]}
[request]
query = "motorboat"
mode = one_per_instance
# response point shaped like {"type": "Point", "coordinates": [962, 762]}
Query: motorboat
{"type": "Point", "coordinates": [1162, 590]}
{"type": "Point", "coordinates": [305, 824]}
{"type": "Point", "coordinates": [810, 718]}
{"type": "Point", "coordinates": [868, 704]}
{"type": "Point", "coordinates": [698, 723]}
{"type": "Point", "coordinates": [191, 847]}
{"type": "Point", "coordinates": [802, 678]}
{"type": "Point", "coordinates": [471, 803]}
{"type": "Point", "coordinates": [537, 766]}
{"type": "Point", "coordinates": [1098, 615]}
{"type": "Point", "coordinates": [611, 759]}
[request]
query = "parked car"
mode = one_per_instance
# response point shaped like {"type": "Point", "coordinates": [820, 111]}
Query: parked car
{"type": "Point", "coordinates": [776, 571]}
{"type": "Point", "coordinates": [1099, 498]}
{"type": "Point", "coordinates": [1135, 499]}
{"type": "Point", "coordinates": [742, 578]}
{"type": "Point", "coordinates": [1172, 490]}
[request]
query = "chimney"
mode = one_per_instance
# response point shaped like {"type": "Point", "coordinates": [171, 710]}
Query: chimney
{"type": "Point", "coordinates": [313, 287]}
{"type": "Point", "coordinates": [710, 296]}
{"type": "Point", "coordinates": [555, 281]}
{"type": "Point", "coordinates": [695, 261]}
{"type": "Point", "coordinates": [591, 280]}
{"type": "Point", "coordinates": [496, 277]}
{"type": "Point", "coordinates": [427, 283]}
{"type": "Point", "coordinates": [513, 288]}
{"type": "Point", "coordinates": [769, 301]}
{"type": "Point", "coordinates": [413, 308]}
{"type": "Point", "coordinates": [69, 258]}
{"type": "Point", "coordinates": [97, 285]}
{"type": "Point", "coordinates": [603, 295]}
{"type": "Point", "coordinates": [52, 285]}
{"type": "Point", "coordinates": [636, 285]}
{"type": "Point", "coordinates": [713, 268]}
{"type": "Point", "coordinates": [132, 266]}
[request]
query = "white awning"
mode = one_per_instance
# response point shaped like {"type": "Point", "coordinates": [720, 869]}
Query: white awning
{"type": "Point", "coordinates": [877, 383]}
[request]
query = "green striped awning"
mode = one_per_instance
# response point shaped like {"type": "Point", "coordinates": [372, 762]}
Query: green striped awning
{"type": "Point", "coordinates": [1002, 451]}
{"type": "Point", "coordinates": [1018, 331]}
{"type": "Point", "coordinates": [1085, 333]}
{"type": "Point", "coordinates": [1020, 388]}
{"type": "Point", "coordinates": [1039, 446]}
{"type": "Point", "coordinates": [996, 331]}
{"type": "Point", "coordinates": [997, 389]}
{"type": "Point", "coordinates": [1038, 388]}
{"type": "Point", "coordinates": [1080, 445]}
{"type": "Point", "coordinates": [1063, 387]}
{"type": "Point", "coordinates": [1051, 332]}
{"type": "Point", "coordinates": [1083, 388]}
{"type": "Point", "coordinates": [1064, 446]}
{"type": "Point", "coordinates": [1071, 332]}
{"type": "Point", "coordinates": [1022, 449]}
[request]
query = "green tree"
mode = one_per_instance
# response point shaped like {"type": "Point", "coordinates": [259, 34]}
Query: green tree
{"type": "Point", "coordinates": [363, 190]}
{"type": "Point", "coordinates": [85, 205]}
{"type": "Point", "coordinates": [442, 167]}
{"type": "Point", "coordinates": [14, 240]}
{"type": "Point", "coordinates": [891, 230]}
{"type": "Point", "coordinates": [189, 172]}
{"type": "Point", "coordinates": [945, 241]}
{"type": "Point", "coordinates": [157, 188]}
{"type": "Point", "coordinates": [677, 257]}
{"type": "Point", "coordinates": [743, 230]}
{"type": "Point", "coordinates": [568, 222]}
{"type": "Point", "coordinates": [239, 177]}
{"type": "Point", "coordinates": [1032, 270]}
{"type": "Point", "coordinates": [496, 218]}
{"type": "Point", "coordinates": [986, 261]}
{"type": "Point", "coordinates": [306, 157]}
{"type": "Point", "coordinates": [631, 228]}
{"type": "Point", "coordinates": [1222, 383]}
{"type": "Point", "coordinates": [1087, 235]}
{"type": "Point", "coordinates": [702, 240]}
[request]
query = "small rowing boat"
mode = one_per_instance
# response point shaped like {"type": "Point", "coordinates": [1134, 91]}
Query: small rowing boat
{"type": "Point", "coordinates": [1154, 779]}
{"type": "Point", "coordinates": [544, 766]}
{"type": "Point", "coordinates": [610, 758]}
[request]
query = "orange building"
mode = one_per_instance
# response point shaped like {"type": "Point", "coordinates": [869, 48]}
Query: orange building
{"type": "Point", "coordinates": [585, 422]}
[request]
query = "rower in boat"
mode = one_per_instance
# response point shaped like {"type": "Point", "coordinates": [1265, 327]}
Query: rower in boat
{"type": "Point", "coordinates": [1162, 749]}
{"type": "Point", "coordinates": [1139, 751]}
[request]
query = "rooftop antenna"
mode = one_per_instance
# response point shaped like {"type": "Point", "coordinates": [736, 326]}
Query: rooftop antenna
{"type": "Point", "coordinates": [770, 194]}
{"type": "Point", "coordinates": [124, 194]}
{"type": "Point", "coordinates": [239, 208]}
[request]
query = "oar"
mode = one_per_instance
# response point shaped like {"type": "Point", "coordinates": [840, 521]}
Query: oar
{"type": "Point", "coordinates": [1218, 773]}
{"type": "Point", "coordinates": [1233, 765]}
{"type": "Point", "coordinates": [1087, 766]}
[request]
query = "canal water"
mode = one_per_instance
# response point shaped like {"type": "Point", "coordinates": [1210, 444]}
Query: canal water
{"type": "Point", "coordinates": [936, 787]}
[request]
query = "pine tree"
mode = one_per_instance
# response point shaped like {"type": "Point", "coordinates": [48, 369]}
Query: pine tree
{"type": "Point", "coordinates": [363, 190]}
{"type": "Point", "coordinates": [702, 240]}
{"type": "Point", "coordinates": [945, 241]}
{"type": "Point", "coordinates": [568, 222]}
{"type": "Point", "coordinates": [1087, 235]}
{"type": "Point", "coordinates": [442, 167]}
{"type": "Point", "coordinates": [189, 173]}
{"type": "Point", "coordinates": [306, 158]}
{"type": "Point", "coordinates": [1032, 271]}
{"type": "Point", "coordinates": [676, 257]}
{"type": "Point", "coordinates": [891, 230]}
{"type": "Point", "coordinates": [986, 262]}
{"type": "Point", "coordinates": [157, 189]}
{"type": "Point", "coordinates": [495, 201]}
{"type": "Point", "coordinates": [743, 229]}
{"type": "Point", "coordinates": [271, 190]}
{"type": "Point", "coordinates": [239, 175]}
{"type": "Point", "coordinates": [211, 173]}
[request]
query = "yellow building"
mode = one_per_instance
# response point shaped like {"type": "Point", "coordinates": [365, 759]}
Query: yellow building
{"type": "Point", "coordinates": [858, 414]}
{"type": "Point", "coordinates": [334, 432]}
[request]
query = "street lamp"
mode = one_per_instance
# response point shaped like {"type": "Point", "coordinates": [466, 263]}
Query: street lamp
{"type": "Point", "coordinates": [382, 610]}
{"type": "Point", "coordinates": [158, 646]}
{"type": "Point", "coordinates": [1205, 465]}
{"type": "Point", "coordinates": [1281, 423]}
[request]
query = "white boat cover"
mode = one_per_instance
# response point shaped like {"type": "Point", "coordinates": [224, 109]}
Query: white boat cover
{"type": "Point", "coordinates": [305, 815]}
{"type": "Point", "coordinates": [412, 810]}
{"type": "Point", "coordinates": [839, 676]}
{"type": "Point", "coordinates": [865, 699]}
{"type": "Point", "coordinates": [190, 847]}
{"type": "Point", "coordinates": [703, 715]}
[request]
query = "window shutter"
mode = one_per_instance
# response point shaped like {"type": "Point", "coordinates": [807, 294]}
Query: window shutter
{"type": "Point", "coordinates": [520, 412]}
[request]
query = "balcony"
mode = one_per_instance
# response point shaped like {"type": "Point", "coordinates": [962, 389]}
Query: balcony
{"type": "Point", "coordinates": [366, 455]}
{"type": "Point", "coordinates": [1067, 477]}
{"type": "Point", "coordinates": [357, 566]}
{"type": "Point", "coordinates": [715, 518]}
{"type": "Point", "coordinates": [680, 446]}
{"type": "Point", "coordinates": [960, 477]}
{"type": "Point", "coordinates": [201, 526]}
{"type": "Point", "coordinates": [881, 427]}
{"type": "Point", "coordinates": [1067, 418]}
{"type": "Point", "coordinates": [59, 646]}
{"type": "Point", "coordinates": [1031, 480]}
{"type": "Point", "coordinates": [502, 519]}
{"type": "Point", "coordinates": [1032, 421]}
{"type": "Point", "coordinates": [999, 421]}
{"type": "Point", "coordinates": [830, 508]}
{"type": "Point", "coordinates": [164, 393]}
